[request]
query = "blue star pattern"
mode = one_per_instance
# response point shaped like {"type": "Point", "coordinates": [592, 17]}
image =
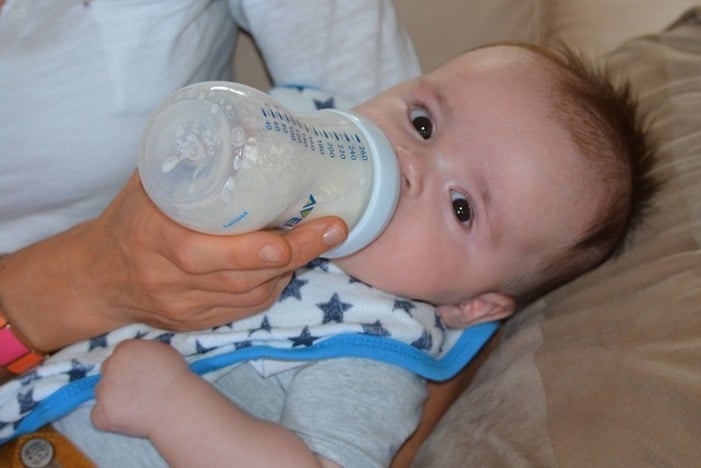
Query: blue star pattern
{"type": "Point", "coordinates": [438, 322]}
{"type": "Point", "coordinates": [27, 378]}
{"type": "Point", "coordinates": [327, 104]}
{"type": "Point", "coordinates": [304, 339]}
{"type": "Point", "coordinates": [78, 370]}
{"type": "Point", "coordinates": [353, 279]}
{"type": "Point", "coordinates": [220, 327]}
{"type": "Point", "coordinates": [375, 329]}
{"type": "Point", "coordinates": [26, 401]}
{"type": "Point", "coordinates": [425, 342]}
{"type": "Point", "coordinates": [320, 263]}
{"type": "Point", "coordinates": [264, 326]}
{"type": "Point", "coordinates": [333, 309]}
{"type": "Point", "coordinates": [320, 303]}
{"type": "Point", "coordinates": [404, 305]}
{"type": "Point", "coordinates": [165, 337]}
{"type": "Point", "coordinates": [299, 88]}
{"type": "Point", "coordinates": [98, 342]}
{"type": "Point", "coordinates": [203, 349]}
{"type": "Point", "coordinates": [293, 289]}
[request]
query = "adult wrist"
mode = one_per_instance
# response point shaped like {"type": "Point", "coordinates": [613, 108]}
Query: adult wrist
{"type": "Point", "coordinates": [17, 355]}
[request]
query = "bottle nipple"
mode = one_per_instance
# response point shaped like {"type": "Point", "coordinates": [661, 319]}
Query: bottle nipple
{"type": "Point", "coordinates": [191, 150]}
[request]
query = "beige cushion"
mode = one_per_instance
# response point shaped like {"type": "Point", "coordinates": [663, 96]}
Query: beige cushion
{"type": "Point", "coordinates": [597, 26]}
{"type": "Point", "coordinates": [445, 28]}
{"type": "Point", "coordinates": [606, 371]}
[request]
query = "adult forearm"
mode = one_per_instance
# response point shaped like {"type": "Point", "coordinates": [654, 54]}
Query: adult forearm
{"type": "Point", "coordinates": [38, 295]}
{"type": "Point", "coordinates": [133, 264]}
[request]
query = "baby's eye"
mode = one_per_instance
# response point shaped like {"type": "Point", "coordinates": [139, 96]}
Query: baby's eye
{"type": "Point", "coordinates": [421, 122]}
{"type": "Point", "coordinates": [461, 207]}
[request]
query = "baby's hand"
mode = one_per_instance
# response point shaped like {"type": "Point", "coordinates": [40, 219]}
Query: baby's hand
{"type": "Point", "coordinates": [133, 392]}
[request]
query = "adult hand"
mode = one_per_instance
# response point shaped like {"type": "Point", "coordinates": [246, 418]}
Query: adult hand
{"type": "Point", "coordinates": [133, 264]}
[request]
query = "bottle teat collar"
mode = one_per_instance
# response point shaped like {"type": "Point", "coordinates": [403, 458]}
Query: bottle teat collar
{"type": "Point", "coordinates": [385, 189]}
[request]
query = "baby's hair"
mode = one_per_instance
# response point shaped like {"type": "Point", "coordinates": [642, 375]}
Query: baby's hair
{"type": "Point", "coordinates": [607, 126]}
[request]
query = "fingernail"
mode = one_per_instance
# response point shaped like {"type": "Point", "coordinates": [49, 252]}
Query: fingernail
{"type": "Point", "coordinates": [334, 235]}
{"type": "Point", "coordinates": [271, 253]}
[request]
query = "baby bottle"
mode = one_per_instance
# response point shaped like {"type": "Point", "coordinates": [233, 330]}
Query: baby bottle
{"type": "Point", "coordinates": [224, 158]}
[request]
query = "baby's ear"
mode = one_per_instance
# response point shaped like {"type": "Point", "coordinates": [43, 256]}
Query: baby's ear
{"type": "Point", "coordinates": [486, 307]}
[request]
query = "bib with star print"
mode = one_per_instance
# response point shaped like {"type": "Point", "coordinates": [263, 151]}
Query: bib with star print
{"type": "Point", "coordinates": [323, 313]}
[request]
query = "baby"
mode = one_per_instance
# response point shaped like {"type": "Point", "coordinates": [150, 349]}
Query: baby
{"type": "Point", "coordinates": [521, 169]}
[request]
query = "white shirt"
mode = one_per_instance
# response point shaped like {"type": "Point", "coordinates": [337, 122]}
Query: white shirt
{"type": "Point", "coordinates": [78, 79]}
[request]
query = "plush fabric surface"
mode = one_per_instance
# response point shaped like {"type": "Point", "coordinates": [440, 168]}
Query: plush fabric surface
{"type": "Point", "coordinates": [605, 371]}
{"type": "Point", "coordinates": [442, 30]}
{"type": "Point", "coordinates": [597, 26]}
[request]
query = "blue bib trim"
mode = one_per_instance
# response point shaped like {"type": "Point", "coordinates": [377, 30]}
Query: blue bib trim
{"type": "Point", "coordinates": [468, 344]}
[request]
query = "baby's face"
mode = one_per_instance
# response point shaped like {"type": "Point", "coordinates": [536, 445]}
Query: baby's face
{"type": "Point", "coordinates": [491, 184]}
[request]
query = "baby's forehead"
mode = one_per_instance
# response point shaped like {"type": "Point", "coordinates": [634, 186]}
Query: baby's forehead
{"type": "Point", "coordinates": [511, 70]}
{"type": "Point", "coordinates": [504, 58]}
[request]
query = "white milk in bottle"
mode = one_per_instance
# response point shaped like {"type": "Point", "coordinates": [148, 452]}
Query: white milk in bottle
{"type": "Point", "coordinates": [224, 158]}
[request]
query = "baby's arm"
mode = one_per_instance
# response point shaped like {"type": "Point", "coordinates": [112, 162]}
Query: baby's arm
{"type": "Point", "coordinates": [147, 390]}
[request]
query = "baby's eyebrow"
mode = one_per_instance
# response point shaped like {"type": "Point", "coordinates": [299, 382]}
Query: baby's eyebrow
{"type": "Point", "coordinates": [431, 93]}
{"type": "Point", "coordinates": [493, 227]}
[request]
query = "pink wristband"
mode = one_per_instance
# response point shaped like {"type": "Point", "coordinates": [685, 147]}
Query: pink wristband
{"type": "Point", "coordinates": [15, 356]}
{"type": "Point", "coordinates": [11, 348]}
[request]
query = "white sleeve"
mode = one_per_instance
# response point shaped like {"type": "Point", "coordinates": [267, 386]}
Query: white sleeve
{"type": "Point", "coordinates": [352, 48]}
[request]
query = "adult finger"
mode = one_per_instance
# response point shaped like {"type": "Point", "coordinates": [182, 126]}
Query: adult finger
{"type": "Point", "coordinates": [269, 252]}
{"type": "Point", "coordinates": [312, 239]}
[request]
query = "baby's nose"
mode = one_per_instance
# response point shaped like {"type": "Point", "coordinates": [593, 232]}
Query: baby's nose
{"type": "Point", "coordinates": [412, 172]}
